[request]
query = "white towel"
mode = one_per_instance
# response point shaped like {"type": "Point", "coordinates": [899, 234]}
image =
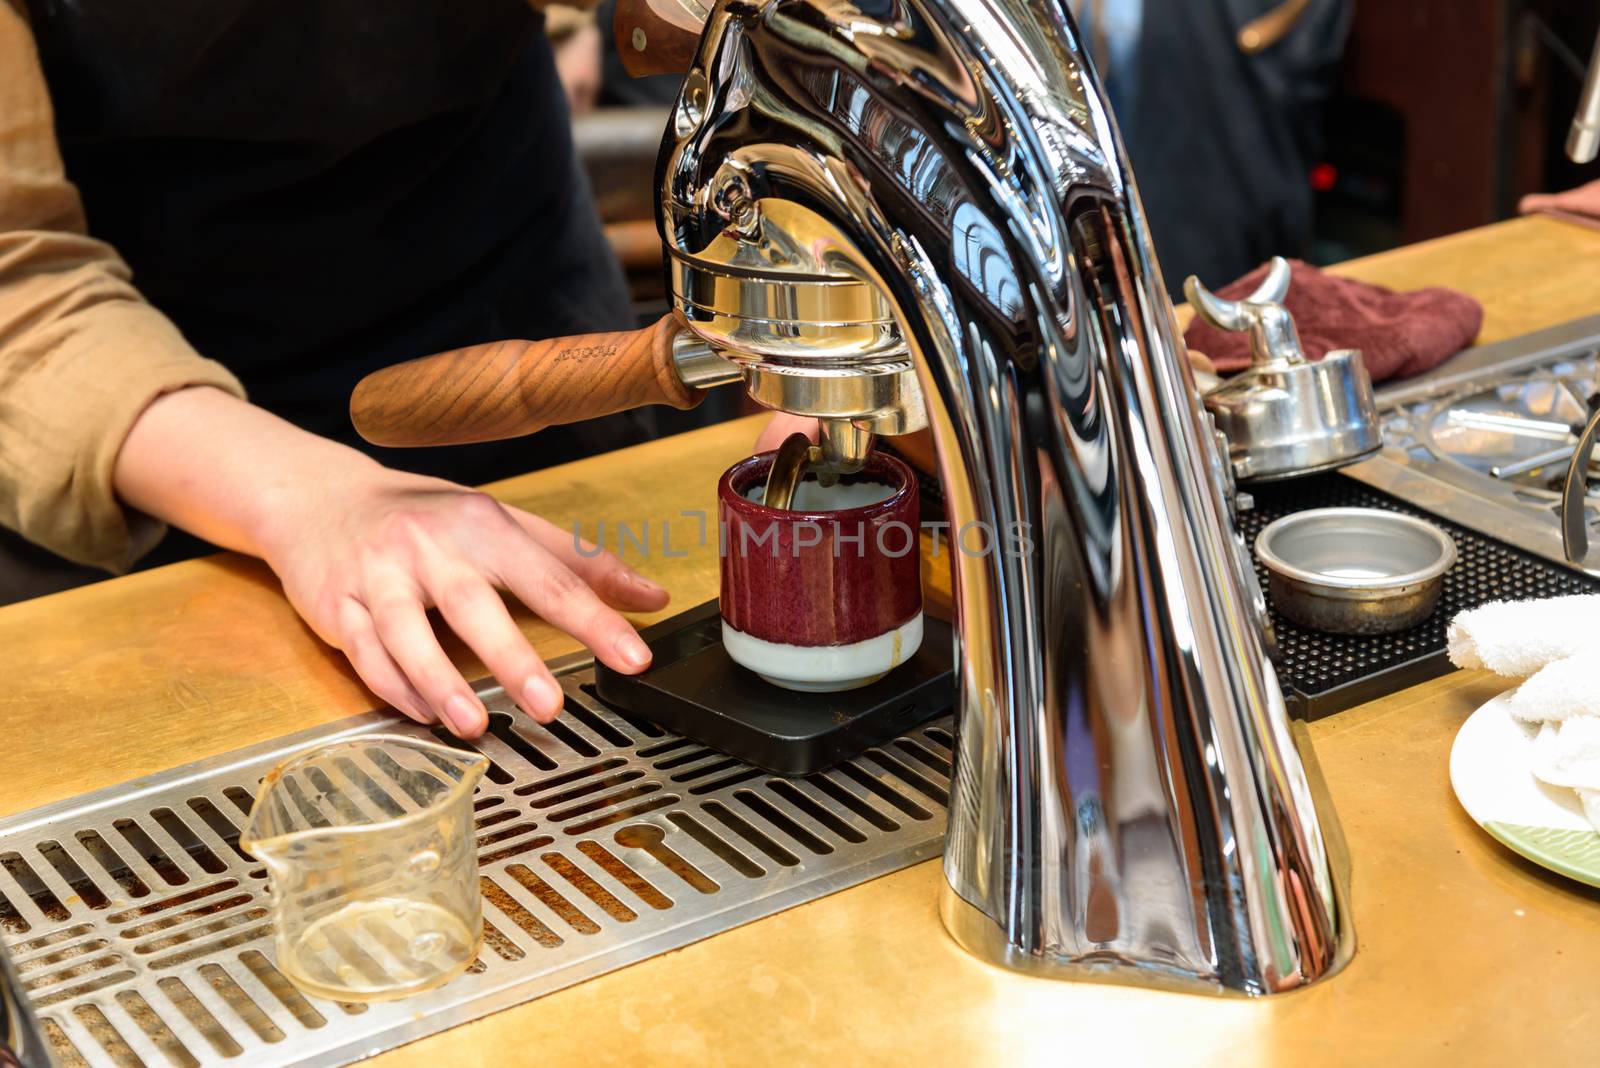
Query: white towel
{"type": "Point", "coordinates": [1555, 644]}
{"type": "Point", "coordinates": [1567, 754]}
{"type": "Point", "coordinates": [1517, 638]}
{"type": "Point", "coordinates": [1561, 690]}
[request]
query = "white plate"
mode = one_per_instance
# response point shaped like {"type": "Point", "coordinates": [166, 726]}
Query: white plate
{"type": "Point", "coordinates": [1491, 770]}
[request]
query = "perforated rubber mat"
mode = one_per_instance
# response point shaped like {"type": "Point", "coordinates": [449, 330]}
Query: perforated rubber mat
{"type": "Point", "coordinates": [1326, 673]}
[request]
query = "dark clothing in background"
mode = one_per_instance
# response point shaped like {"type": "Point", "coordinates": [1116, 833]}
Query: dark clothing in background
{"type": "Point", "coordinates": [313, 189]}
{"type": "Point", "coordinates": [1222, 143]}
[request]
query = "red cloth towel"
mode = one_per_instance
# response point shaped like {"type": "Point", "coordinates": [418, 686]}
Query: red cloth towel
{"type": "Point", "coordinates": [1398, 334]}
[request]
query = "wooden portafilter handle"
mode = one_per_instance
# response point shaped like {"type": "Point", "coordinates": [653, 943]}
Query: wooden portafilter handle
{"type": "Point", "coordinates": [505, 389]}
{"type": "Point", "coordinates": [656, 36]}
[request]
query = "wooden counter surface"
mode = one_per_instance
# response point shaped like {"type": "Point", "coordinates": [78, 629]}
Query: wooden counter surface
{"type": "Point", "coordinates": [1466, 954]}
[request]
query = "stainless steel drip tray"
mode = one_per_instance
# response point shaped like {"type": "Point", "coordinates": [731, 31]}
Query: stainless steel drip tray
{"type": "Point", "coordinates": [1479, 439]}
{"type": "Point", "coordinates": [142, 935]}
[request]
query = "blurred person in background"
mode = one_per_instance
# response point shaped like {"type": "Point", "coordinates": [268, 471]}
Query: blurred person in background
{"type": "Point", "coordinates": [576, 37]}
{"type": "Point", "coordinates": [1222, 135]}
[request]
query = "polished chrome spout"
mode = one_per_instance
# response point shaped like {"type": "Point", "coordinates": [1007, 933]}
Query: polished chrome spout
{"type": "Point", "coordinates": [1583, 139]}
{"type": "Point", "coordinates": [917, 212]}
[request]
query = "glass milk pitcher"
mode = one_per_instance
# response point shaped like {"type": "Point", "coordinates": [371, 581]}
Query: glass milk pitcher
{"type": "Point", "coordinates": [374, 870]}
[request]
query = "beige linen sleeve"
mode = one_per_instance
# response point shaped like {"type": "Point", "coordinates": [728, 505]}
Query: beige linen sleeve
{"type": "Point", "coordinates": [81, 353]}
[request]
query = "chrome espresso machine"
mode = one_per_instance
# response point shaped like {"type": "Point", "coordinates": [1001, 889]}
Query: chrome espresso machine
{"type": "Point", "coordinates": [909, 213]}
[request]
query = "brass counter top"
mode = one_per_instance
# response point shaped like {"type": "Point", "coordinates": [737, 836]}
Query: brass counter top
{"type": "Point", "coordinates": [1466, 952]}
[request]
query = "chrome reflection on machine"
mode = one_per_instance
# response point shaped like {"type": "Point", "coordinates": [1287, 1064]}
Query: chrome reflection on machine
{"type": "Point", "coordinates": [863, 198]}
{"type": "Point", "coordinates": [22, 1043]}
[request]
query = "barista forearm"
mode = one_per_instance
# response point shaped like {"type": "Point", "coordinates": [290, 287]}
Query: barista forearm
{"type": "Point", "coordinates": [364, 551]}
{"type": "Point", "coordinates": [228, 471]}
{"type": "Point", "coordinates": [81, 352]}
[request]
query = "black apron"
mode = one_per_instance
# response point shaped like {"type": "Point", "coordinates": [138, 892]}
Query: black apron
{"type": "Point", "coordinates": [1222, 142]}
{"type": "Point", "coordinates": [312, 189]}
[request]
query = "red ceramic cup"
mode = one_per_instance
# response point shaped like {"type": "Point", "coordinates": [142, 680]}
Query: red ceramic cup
{"type": "Point", "coordinates": [827, 595]}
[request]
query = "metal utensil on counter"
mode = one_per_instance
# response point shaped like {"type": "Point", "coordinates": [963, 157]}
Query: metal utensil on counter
{"type": "Point", "coordinates": [1533, 463]}
{"type": "Point", "coordinates": [1547, 429]}
{"type": "Point", "coordinates": [1523, 426]}
{"type": "Point", "coordinates": [1284, 415]}
{"type": "Point", "coordinates": [1355, 570]}
{"type": "Point", "coordinates": [372, 899]}
{"type": "Point", "coordinates": [1575, 494]}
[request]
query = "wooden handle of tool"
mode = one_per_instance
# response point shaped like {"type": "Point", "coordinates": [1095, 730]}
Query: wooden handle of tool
{"type": "Point", "coordinates": [656, 36]}
{"type": "Point", "coordinates": [505, 389]}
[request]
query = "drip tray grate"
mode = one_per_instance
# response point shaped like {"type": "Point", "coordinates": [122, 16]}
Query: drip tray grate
{"type": "Point", "coordinates": [141, 932]}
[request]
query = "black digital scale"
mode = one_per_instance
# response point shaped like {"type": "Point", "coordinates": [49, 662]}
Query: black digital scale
{"type": "Point", "coordinates": [693, 688]}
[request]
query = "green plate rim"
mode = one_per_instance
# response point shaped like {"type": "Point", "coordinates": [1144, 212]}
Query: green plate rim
{"type": "Point", "coordinates": [1514, 836]}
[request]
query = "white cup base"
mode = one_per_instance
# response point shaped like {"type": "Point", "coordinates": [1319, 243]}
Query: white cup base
{"type": "Point", "coordinates": [824, 668]}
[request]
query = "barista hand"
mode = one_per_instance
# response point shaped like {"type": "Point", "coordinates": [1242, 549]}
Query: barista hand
{"type": "Point", "coordinates": [363, 564]}
{"type": "Point", "coordinates": [1584, 200]}
{"type": "Point", "coordinates": [364, 551]}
